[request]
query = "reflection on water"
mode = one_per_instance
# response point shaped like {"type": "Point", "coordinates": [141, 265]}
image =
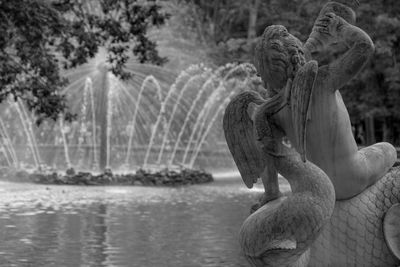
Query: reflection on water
{"type": "Point", "coordinates": [123, 226]}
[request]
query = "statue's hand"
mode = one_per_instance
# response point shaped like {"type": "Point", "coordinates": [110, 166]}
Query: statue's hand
{"type": "Point", "coordinates": [330, 25]}
{"type": "Point", "coordinates": [328, 29]}
{"type": "Point", "coordinates": [262, 114]}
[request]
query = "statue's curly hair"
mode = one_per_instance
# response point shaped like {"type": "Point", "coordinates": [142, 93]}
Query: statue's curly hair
{"type": "Point", "coordinates": [273, 57]}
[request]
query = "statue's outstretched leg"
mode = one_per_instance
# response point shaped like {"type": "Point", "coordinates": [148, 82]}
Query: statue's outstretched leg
{"type": "Point", "coordinates": [368, 166]}
{"type": "Point", "coordinates": [378, 158]}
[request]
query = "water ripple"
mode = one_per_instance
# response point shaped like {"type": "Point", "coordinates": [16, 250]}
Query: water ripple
{"type": "Point", "coordinates": [123, 226]}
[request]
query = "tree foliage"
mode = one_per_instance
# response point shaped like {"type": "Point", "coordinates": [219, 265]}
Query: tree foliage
{"type": "Point", "coordinates": [40, 37]}
{"type": "Point", "coordinates": [374, 92]}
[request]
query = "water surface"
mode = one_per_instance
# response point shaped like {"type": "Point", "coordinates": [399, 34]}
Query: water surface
{"type": "Point", "coordinates": [123, 226]}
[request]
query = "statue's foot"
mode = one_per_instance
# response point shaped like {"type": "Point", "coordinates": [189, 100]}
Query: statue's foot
{"type": "Point", "coordinates": [262, 200]}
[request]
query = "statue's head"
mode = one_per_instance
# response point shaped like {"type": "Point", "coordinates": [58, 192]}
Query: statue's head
{"type": "Point", "coordinates": [278, 56]}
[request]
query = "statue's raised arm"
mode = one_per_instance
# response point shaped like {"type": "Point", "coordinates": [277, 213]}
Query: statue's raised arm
{"type": "Point", "coordinates": [331, 28]}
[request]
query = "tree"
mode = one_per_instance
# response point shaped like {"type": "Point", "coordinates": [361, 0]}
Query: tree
{"type": "Point", "coordinates": [40, 37]}
{"type": "Point", "coordinates": [230, 28]}
{"type": "Point", "coordinates": [372, 98]}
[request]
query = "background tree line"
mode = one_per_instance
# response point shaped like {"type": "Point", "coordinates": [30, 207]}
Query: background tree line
{"type": "Point", "coordinates": [229, 30]}
{"type": "Point", "coordinates": [38, 38]}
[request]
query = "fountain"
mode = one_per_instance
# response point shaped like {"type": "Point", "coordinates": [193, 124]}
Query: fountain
{"type": "Point", "coordinates": [157, 119]}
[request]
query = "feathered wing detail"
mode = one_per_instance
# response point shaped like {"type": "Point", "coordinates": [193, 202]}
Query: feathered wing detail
{"type": "Point", "coordinates": [241, 138]}
{"type": "Point", "coordinates": [300, 101]}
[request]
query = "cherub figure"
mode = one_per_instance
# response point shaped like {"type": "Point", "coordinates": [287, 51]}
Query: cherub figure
{"type": "Point", "coordinates": [307, 107]}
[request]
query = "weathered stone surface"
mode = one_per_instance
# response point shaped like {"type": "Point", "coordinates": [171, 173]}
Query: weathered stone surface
{"type": "Point", "coordinates": [340, 194]}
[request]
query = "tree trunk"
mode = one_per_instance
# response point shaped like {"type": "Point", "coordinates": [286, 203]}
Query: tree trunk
{"type": "Point", "coordinates": [253, 12]}
{"type": "Point", "coordinates": [215, 19]}
{"type": "Point", "coordinates": [198, 23]}
{"type": "Point", "coordinates": [385, 131]}
{"type": "Point", "coordinates": [370, 130]}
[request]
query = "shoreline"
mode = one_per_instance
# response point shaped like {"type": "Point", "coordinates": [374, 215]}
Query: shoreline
{"type": "Point", "coordinates": [163, 177]}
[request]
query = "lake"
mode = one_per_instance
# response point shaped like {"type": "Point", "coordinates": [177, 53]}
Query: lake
{"type": "Point", "coordinates": [197, 225]}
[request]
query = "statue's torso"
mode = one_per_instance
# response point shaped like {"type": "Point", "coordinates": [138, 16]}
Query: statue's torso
{"type": "Point", "coordinates": [329, 135]}
{"type": "Point", "coordinates": [329, 140]}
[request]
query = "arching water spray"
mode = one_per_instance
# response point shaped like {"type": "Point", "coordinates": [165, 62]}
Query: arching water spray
{"type": "Point", "coordinates": [210, 102]}
{"type": "Point", "coordinates": [199, 94]}
{"type": "Point", "coordinates": [5, 148]}
{"type": "Point", "coordinates": [30, 130]}
{"type": "Point", "coordinates": [65, 143]}
{"type": "Point", "coordinates": [7, 142]}
{"type": "Point", "coordinates": [110, 108]}
{"type": "Point", "coordinates": [103, 115]}
{"type": "Point", "coordinates": [175, 108]}
{"type": "Point", "coordinates": [83, 128]}
{"type": "Point", "coordinates": [202, 116]}
{"type": "Point", "coordinates": [132, 125]}
{"type": "Point", "coordinates": [202, 129]}
{"type": "Point", "coordinates": [182, 106]}
{"type": "Point", "coordinates": [161, 114]}
{"type": "Point", "coordinates": [94, 134]}
{"type": "Point", "coordinates": [203, 121]}
{"type": "Point", "coordinates": [209, 126]}
{"type": "Point", "coordinates": [26, 130]}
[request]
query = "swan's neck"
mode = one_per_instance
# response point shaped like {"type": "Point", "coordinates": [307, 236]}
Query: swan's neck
{"type": "Point", "coordinates": [305, 177]}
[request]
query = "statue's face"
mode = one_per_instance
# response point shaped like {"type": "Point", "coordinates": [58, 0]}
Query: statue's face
{"type": "Point", "coordinates": [278, 56]}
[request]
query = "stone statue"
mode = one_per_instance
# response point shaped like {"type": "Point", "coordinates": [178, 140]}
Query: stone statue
{"type": "Point", "coordinates": [333, 217]}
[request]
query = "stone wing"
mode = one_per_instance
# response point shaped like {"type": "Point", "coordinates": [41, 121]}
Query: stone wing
{"type": "Point", "coordinates": [241, 137]}
{"type": "Point", "coordinates": [300, 102]}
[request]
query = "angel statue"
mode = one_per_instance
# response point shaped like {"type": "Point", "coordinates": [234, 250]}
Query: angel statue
{"type": "Point", "coordinates": [343, 207]}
